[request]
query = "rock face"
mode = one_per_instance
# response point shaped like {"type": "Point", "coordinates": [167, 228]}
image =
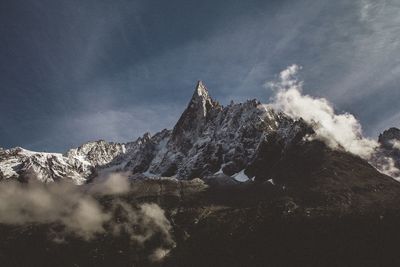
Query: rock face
{"type": "Point", "coordinates": [387, 156]}
{"type": "Point", "coordinates": [245, 141]}
{"type": "Point", "coordinates": [390, 143]}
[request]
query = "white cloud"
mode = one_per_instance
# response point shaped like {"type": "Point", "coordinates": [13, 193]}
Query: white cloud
{"type": "Point", "coordinates": [337, 130]}
{"type": "Point", "coordinates": [60, 203]}
{"type": "Point", "coordinates": [387, 166]}
{"type": "Point", "coordinates": [79, 212]}
{"type": "Point", "coordinates": [110, 183]}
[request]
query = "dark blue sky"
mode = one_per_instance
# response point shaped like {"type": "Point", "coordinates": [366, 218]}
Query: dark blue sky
{"type": "Point", "coordinates": [79, 70]}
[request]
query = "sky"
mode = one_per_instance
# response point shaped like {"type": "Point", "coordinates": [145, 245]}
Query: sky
{"type": "Point", "coordinates": [78, 70]}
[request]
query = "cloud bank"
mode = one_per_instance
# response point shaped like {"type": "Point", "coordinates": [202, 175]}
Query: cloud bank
{"type": "Point", "coordinates": [338, 131]}
{"type": "Point", "coordinates": [71, 210]}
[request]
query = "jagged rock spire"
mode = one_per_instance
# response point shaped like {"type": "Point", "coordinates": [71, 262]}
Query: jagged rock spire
{"type": "Point", "coordinates": [201, 89]}
{"type": "Point", "coordinates": [201, 101]}
{"type": "Point", "coordinates": [195, 115]}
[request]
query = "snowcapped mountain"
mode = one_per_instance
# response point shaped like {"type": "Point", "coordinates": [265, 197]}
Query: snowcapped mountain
{"type": "Point", "coordinates": [300, 183]}
{"type": "Point", "coordinates": [77, 164]}
{"type": "Point", "coordinates": [209, 140]}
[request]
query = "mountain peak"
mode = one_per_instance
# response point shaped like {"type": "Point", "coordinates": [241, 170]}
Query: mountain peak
{"type": "Point", "coordinates": [201, 101]}
{"type": "Point", "coordinates": [201, 95]}
{"type": "Point", "coordinates": [195, 115]}
{"type": "Point", "coordinates": [201, 89]}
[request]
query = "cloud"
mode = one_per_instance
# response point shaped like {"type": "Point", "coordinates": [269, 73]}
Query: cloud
{"type": "Point", "coordinates": [71, 210]}
{"type": "Point", "coordinates": [159, 254]}
{"type": "Point", "coordinates": [112, 183]}
{"type": "Point", "coordinates": [369, 10]}
{"type": "Point", "coordinates": [60, 203]}
{"type": "Point", "coordinates": [143, 223]}
{"type": "Point", "coordinates": [387, 165]}
{"type": "Point", "coordinates": [338, 131]}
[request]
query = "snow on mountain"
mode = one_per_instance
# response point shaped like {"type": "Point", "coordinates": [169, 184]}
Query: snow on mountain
{"type": "Point", "coordinates": [77, 164]}
{"type": "Point", "coordinates": [96, 153]}
{"type": "Point", "coordinates": [208, 139]}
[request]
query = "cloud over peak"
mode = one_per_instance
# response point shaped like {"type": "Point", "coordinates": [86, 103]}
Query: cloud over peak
{"type": "Point", "coordinates": [337, 130]}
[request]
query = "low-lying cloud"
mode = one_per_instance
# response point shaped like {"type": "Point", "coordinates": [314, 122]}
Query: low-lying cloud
{"type": "Point", "coordinates": [110, 183]}
{"type": "Point", "coordinates": [60, 203]}
{"type": "Point", "coordinates": [386, 165]}
{"type": "Point", "coordinates": [338, 131]}
{"type": "Point", "coordinates": [80, 213]}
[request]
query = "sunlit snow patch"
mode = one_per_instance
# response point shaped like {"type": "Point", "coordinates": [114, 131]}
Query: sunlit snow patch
{"type": "Point", "coordinates": [240, 176]}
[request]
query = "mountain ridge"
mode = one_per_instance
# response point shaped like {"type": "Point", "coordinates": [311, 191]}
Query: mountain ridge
{"type": "Point", "coordinates": [208, 140]}
{"type": "Point", "coordinates": [267, 181]}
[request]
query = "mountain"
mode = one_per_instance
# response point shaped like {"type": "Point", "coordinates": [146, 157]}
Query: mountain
{"type": "Point", "coordinates": [77, 164]}
{"type": "Point", "coordinates": [269, 195]}
{"type": "Point", "coordinates": [208, 139]}
{"type": "Point", "coordinates": [243, 141]}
